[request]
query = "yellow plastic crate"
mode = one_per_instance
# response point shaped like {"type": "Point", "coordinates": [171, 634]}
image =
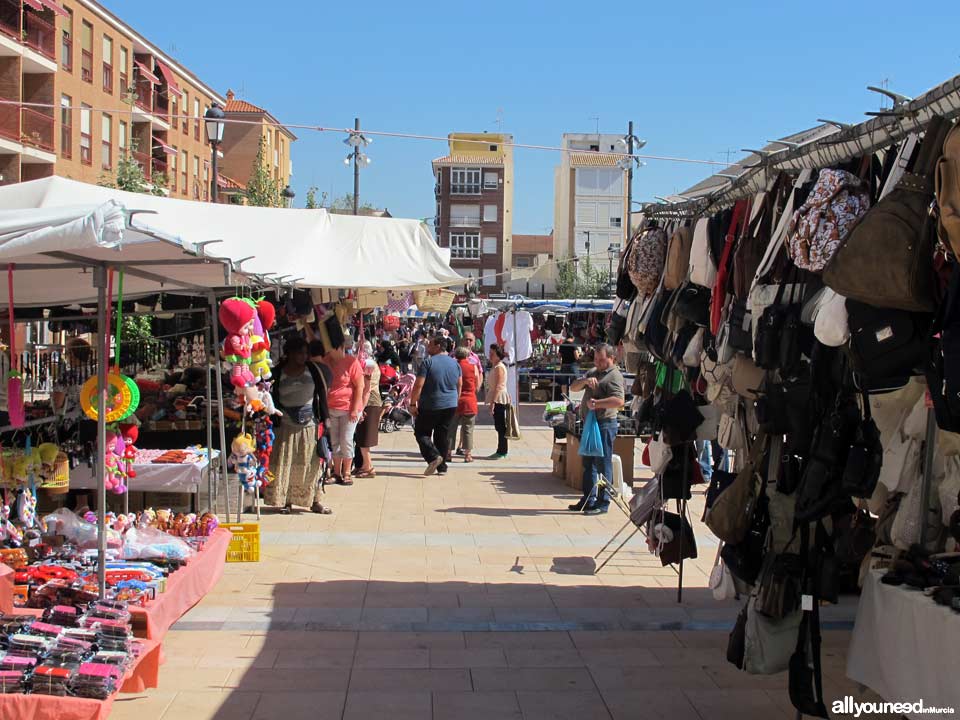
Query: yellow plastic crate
{"type": "Point", "coordinates": [245, 543]}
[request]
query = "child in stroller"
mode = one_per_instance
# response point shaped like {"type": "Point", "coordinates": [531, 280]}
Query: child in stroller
{"type": "Point", "coordinates": [396, 404]}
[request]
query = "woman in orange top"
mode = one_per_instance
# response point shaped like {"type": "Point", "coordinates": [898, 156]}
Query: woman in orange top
{"type": "Point", "coordinates": [345, 403]}
{"type": "Point", "coordinates": [466, 407]}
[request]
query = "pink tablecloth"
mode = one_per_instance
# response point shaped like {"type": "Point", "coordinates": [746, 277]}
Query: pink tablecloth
{"type": "Point", "coordinates": [6, 589]}
{"type": "Point", "coordinates": [143, 675]}
{"type": "Point", "coordinates": [185, 588]}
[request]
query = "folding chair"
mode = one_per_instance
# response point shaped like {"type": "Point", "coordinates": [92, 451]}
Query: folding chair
{"type": "Point", "coordinates": [638, 513]}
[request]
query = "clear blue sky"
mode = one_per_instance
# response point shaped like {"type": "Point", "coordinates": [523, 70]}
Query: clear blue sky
{"type": "Point", "coordinates": [697, 78]}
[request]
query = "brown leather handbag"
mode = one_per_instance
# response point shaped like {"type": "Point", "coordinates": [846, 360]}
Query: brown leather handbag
{"type": "Point", "coordinates": [887, 260]}
{"type": "Point", "coordinates": [732, 511]}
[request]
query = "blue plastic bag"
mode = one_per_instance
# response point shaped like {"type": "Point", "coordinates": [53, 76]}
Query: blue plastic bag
{"type": "Point", "coordinates": [590, 442]}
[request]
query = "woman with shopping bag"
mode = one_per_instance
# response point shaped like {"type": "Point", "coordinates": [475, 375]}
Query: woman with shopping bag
{"type": "Point", "coordinates": [603, 396]}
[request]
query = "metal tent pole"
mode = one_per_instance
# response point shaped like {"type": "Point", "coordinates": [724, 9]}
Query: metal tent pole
{"type": "Point", "coordinates": [209, 340]}
{"type": "Point", "coordinates": [100, 282]}
{"type": "Point", "coordinates": [215, 329]}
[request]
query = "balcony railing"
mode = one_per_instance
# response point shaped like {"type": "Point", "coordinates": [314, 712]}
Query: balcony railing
{"type": "Point", "coordinates": [10, 19]}
{"type": "Point", "coordinates": [465, 189]}
{"type": "Point", "coordinates": [9, 121]}
{"type": "Point", "coordinates": [40, 34]}
{"type": "Point", "coordinates": [159, 166]}
{"type": "Point", "coordinates": [143, 160]}
{"type": "Point", "coordinates": [465, 221]}
{"type": "Point", "coordinates": [108, 78]}
{"type": "Point", "coordinates": [144, 99]}
{"type": "Point", "coordinates": [86, 66]}
{"type": "Point", "coordinates": [37, 129]}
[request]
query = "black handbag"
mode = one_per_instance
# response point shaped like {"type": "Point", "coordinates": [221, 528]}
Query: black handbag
{"type": "Point", "coordinates": [864, 458]}
{"type": "Point", "coordinates": [657, 334]}
{"type": "Point", "coordinates": [719, 481]}
{"type": "Point", "coordinates": [820, 493]}
{"type": "Point", "coordinates": [738, 331]}
{"type": "Point", "coordinates": [680, 418]}
{"type": "Point", "coordinates": [626, 290]}
{"type": "Point", "coordinates": [778, 343]}
{"type": "Point", "coordinates": [744, 559]}
{"type": "Point", "coordinates": [886, 343]}
{"type": "Point", "coordinates": [693, 304]}
{"type": "Point", "coordinates": [778, 593]}
{"type": "Point", "coordinates": [677, 476]}
{"type": "Point", "coordinates": [737, 641]}
{"type": "Point", "coordinates": [943, 359]}
{"type": "Point", "coordinates": [683, 544]}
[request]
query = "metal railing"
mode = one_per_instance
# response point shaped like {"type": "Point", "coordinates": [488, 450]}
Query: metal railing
{"type": "Point", "coordinates": [40, 34]}
{"type": "Point", "coordinates": [10, 19]}
{"type": "Point", "coordinates": [143, 160]}
{"type": "Point", "coordinates": [465, 188]}
{"type": "Point", "coordinates": [10, 121]}
{"type": "Point", "coordinates": [464, 221]}
{"type": "Point", "coordinates": [37, 129]}
{"type": "Point", "coordinates": [159, 166]}
{"type": "Point", "coordinates": [144, 99]}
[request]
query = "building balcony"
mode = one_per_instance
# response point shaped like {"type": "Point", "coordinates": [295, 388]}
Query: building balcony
{"type": "Point", "coordinates": [9, 121]}
{"type": "Point", "coordinates": [158, 167]}
{"type": "Point", "coordinates": [10, 19]}
{"type": "Point", "coordinates": [40, 34]}
{"type": "Point", "coordinates": [471, 221]}
{"type": "Point", "coordinates": [466, 189]}
{"type": "Point", "coordinates": [144, 161]}
{"type": "Point", "coordinates": [37, 129]}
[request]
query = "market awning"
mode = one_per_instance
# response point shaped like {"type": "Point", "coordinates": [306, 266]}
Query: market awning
{"type": "Point", "coordinates": [55, 7]}
{"type": "Point", "coordinates": [169, 76]}
{"type": "Point", "coordinates": [35, 4]}
{"type": "Point", "coordinates": [52, 250]}
{"type": "Point", "coordinates": [145, 73]}
{"type": "Point", "coordinates": [306, 248]}
{"type": "Point", "coordinates": [163, 146]}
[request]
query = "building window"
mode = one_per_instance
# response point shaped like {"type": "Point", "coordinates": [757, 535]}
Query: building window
{"type": "Point", "coordinates": [196, 119]}
{"type": "Point", "coordinates": [66, 127]}
{"type": "Point", "coordinates": [124, 70]}
{"type": "Point", "coordinates": [615, 222]}
{"type": "Point", "coordinates": [522, 262]}
{"type": "Point", "coordinates": [489, 213]}
{"type": "Point", "coordinates": [490, 181]}
{"type": "Point", "coordinates": [464, 216]}
{"type": "Point", "coordinates": [465, 246]}
{"type": "Point", "coordinates": [196, 177]}
{"type": "Point", "coordinates": [86, 52]}
{"type": "Point", "coordinates": [173, 171]}
{"type": "Point", "coordinates": [66, 45]}
{"type": "Point", "coordinates": [106, 141]}
{"type": "Point", "coordinates": [122, 138]}
{"type": "Point", "coordinates": [439, 187]}
{"type": "Point", "coordinates": [107, 64]}
{"type": "Point", "coordinates": [489, 246]}
{"type": "Point", "coordinates": [489, 278]}
{"type": "Point", "coordinates": [206, 180]}
{"type": "Point", "coordinates": [173, 109]}
{"type": "Point", "coordinates": [184, 183]}
{"type": "Point", "coordinates": [493, 148]}
{"type": "Point", "coordinates": [86, 144]}
{"type": "Point", "coordinates": [185, 122]}
{"type": "Point", "coordinates": [465, 181]}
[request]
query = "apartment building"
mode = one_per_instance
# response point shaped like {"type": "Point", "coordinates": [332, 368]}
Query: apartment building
{"type": "Point", "coordinates": [590, 196]}
{"type": "Point", "coordinates": [474, 206]}
{"type": "Point", "coordinates": [534, 272]}
{"type": "Point", "coordinates": [78, 87]}
{"type": "Point", "coordinates": [241, 143]}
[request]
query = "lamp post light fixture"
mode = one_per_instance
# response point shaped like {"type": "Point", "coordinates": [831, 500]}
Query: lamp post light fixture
{"type": "Point", "coordinates": [613, 253]}
{"type": "Point", "coordinates": [213, 120]}
{"type": "Point", "coordinates": [630, 143]}
{"type": "Point", "coordinates": [288, 195]}
{"type": "Point", "coordinates": [356, 140]}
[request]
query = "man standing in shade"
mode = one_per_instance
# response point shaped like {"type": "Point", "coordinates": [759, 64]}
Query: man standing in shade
{"type": "Point", "coordinates": [604, 394]}
{"type": "Point", "coordinates": [433, 403]}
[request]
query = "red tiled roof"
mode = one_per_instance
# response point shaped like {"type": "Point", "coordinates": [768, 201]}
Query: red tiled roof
{"type": "Point", "coordinates": [594, 159]}
{"type": "Point", "coordinates": [468, 159]}
{"type": "Point", "coordinates": [242, 106]}
{"type": "Point", "coordinates": [532, 244]}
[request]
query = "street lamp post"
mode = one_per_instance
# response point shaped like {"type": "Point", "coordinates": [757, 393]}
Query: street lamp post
{"type": "Point", "coordinates": [356, 140]}
{"type": "Point", "coordinates": [213, 121]}
{"type": "Point", "coordinates": [613, 252]}
{"type": "Point", "coordinates": [631, 143]}
{"type": "Point", "coordinates": [288, 195]}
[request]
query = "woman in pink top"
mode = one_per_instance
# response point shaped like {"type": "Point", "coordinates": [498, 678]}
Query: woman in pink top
{"type": "Point", "coordinates": [345, 403]}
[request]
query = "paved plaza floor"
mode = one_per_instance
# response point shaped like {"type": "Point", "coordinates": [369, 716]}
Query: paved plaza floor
{"type": "Point", "coordinates": [466, 596]}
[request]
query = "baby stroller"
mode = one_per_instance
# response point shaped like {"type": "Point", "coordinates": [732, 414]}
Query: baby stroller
{"type": "Point", "coordinates": [396, 412]}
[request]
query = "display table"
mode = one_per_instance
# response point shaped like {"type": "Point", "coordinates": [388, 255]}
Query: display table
{"type": "Point", "coordinates": [6, 589]}
{"type": "Point", "coordinates": [185, 588]}
{"type": "Point", "coordinates": [904, 646]}
{"type": "Point", "coordinates": [143, 675]}
{"type": "Point", "coordinates": [153, 477]}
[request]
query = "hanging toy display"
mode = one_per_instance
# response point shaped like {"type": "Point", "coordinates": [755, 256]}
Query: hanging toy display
{"type": "Point", "coordinates": [115, 475]}
{"type": "Point", "coordinates": [15, 408]}
{"type": "Point", "coordinates": [10, 534]}
{"type": "Point", "coordinates": [237, 317]}
{"type": "Point", "coordinates": [27, 507]}
{"type": "Point", "coordinates": [266, 316]}
{"type": "Point", "coordinates": [130, 433]}
{"type": "Point", "coordinates": [244, 461]}
{"type": "Point", "coordinates": [265, 437]}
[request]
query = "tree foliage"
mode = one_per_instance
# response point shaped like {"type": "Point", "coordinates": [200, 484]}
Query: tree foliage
{"type": "Point", "coordinates": [344, 204]}
{"type": "Point", "coordinates": [129, 175]}
{"type": "Point", "coordinates": [262, 190]}
{"type": "Point", "coordinates": [582, 279]}
{"type": "Point", "coordinates": [312, 203]}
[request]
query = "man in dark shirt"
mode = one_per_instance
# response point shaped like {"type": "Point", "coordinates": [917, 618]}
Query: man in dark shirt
{"type": "Point", "coordinates": [603, 393]}
{"type": "Point", "coordinates": [433, 403]}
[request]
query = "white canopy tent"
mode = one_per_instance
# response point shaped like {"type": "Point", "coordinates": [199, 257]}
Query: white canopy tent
{"type": "Point", "coordinates": [308, 248]}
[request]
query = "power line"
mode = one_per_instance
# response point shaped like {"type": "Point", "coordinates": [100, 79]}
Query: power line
{"type": "Point", "coordinates": [377, 133]}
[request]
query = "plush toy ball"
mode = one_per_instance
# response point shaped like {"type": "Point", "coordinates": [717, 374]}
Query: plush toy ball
{"type": "Point", "coordinates": [267, 313]}
{"type": "Point", "coordinates": [235, 313]}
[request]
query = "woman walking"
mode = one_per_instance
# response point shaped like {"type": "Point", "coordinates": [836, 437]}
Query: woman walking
{"type": "Point", "coordinates": [367, 435]}
{"type": "Point", "coordinates": [299, 390]}
{"type": "Point", "coordinates": [345, 400]}
{"type": "Point", "coordinates": [498, 399]}
{"type": "Point", "coordinates": [466, 415]}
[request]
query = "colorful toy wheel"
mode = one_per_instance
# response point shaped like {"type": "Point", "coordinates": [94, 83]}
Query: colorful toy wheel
{"type": "Point", "coordinates": [120, 397]}
{"type": "Point", "coordinates": [134, 396]}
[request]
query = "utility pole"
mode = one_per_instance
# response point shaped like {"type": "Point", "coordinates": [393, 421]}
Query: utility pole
{"type": "Point", "coordinates": [356, 170]}
{"type": "Point", "coordinates": [626, 240]}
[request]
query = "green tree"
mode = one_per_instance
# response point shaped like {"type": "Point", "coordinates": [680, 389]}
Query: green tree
{"type": "Point", "coordinates": [262, 190]}
{"type": "Point", "coordinates": [312, 203]}
{"type": "Point", "coordinates": [344, 204]}
{"type": "Point", "coordinates": [129, 175]}
{"type": "Point", "coordinates": [582, 279]}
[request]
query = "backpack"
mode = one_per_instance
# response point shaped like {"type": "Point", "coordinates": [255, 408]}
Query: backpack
{"type": "Point", "coordinates": [678, 258]}
{"type": "Point", "coordinates": [820, 226]}
{"type": "Point", "coordinates": [948, 192]}
{"type": "Point", "coordinates": [895, 240]}
{"type": "Point", "coordinates": [645, 263]}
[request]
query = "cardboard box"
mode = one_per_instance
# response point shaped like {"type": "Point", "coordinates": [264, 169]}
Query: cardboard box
{"type": "Point", "coordinates": [559, 457]}
{"type": "Point", "coordinates": [540, 395]}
